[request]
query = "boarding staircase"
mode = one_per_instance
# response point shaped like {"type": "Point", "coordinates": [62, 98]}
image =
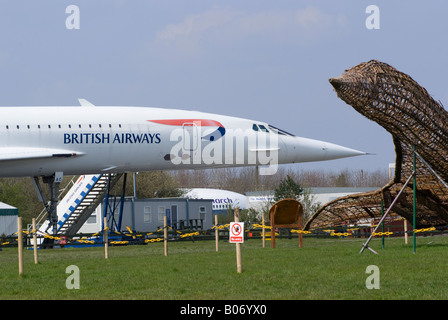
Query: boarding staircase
{"type": "Point", "coordinates": [81, 200]}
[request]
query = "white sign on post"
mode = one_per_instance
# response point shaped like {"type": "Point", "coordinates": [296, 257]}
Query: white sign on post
{"type": "Point", "coordinates": [236, 234]}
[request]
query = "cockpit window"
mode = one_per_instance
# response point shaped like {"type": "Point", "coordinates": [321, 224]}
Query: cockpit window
{"type": "Point", "coordinates": [280, 131]}
{"type": "Point", "coordinates": [259, 127]}
{"type": "Point", "coordinates": [262, 128]}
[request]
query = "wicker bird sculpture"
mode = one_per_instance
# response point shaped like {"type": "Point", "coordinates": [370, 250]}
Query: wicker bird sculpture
{"type": "Point", "coordinates": [415, 120]}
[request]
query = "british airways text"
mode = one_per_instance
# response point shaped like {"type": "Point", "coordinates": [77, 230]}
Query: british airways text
{"type": "Point", "coordinates": [106, 138]}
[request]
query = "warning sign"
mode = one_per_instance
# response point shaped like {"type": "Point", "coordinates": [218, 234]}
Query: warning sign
{"type": "Point", "coordinates": [62, 240]}
{"type": "Point", "coordinates": [236, 234]}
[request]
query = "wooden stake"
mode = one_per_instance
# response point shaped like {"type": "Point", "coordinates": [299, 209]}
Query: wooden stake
{"type": "Point", "coordinates": [106, 239]}
{"type": "Point", "coordinates": [272, 228]}
{"type": "Point", "coordinates": [165, 236]}
{"type": "Point", "coordinates": [239, 264]}
{"type": "Point", "coordinates": [216, 233]}
{"type": "Point", "coordinates": [301, 227]}
{"type": "Point", "coordinates": [20, 244]}
{"type": "Point", "coordinates": [36, 260]}
{"type": "Point", "coordinates": [405, 231]}
{"type": "Point", "coordinates": [263, 232]}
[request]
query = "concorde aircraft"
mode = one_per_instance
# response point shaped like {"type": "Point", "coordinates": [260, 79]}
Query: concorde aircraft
{"type": "Point", "coordinates": [51, 141]}
{"type": "Point", "coordinates": [223, 200]}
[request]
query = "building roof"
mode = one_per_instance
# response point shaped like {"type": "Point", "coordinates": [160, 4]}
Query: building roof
{"type": "Point", "coordinates": [8, 210]}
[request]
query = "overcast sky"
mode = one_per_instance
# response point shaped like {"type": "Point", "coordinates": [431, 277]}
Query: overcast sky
{"type": "Point", "coordinates": [258, 59]}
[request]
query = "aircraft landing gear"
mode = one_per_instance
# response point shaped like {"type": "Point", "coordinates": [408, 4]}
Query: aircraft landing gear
{"type": "Point", "coordinates": [53, 183]}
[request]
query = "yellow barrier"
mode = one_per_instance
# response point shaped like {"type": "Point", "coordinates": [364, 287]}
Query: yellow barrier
{"type": "Point", "coordinates": [388, 233]}
{"type": "Point", "coordinates": [85, 241]}
{"type": "Point", "coordinates": [424, 229]}
{"type": "Point", "coordinates": [153, 240]}
{"type": "Point", "coordinates": [46, 235]}
{"type": "Point", "coordinates": [301, 231]}
{"type": "Point", "coordinates": [340, 234]}
{"type": "Point", "coordinates": [261, 226]}
{"type": "Point", "coordinates": [219, 227]}
{"type": "Point", "coordinates": [189, 234]}
{"type": "Point", "coordinates": [119, 242]}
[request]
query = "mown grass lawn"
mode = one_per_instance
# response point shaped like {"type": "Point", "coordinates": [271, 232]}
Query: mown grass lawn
{"type": "Point", "coordinates": [330, 268]}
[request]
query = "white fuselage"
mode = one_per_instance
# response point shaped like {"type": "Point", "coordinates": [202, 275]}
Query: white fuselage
{"type": "Point", "coordinates": [39, 141]}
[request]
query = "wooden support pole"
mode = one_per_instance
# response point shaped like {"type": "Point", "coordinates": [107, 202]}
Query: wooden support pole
{"type": "Point", "coordinates": [263, 232]}
{"type": "Point", "coordinates": [36, 260]}
{"type": "Point", "coordinates": [165, 236]}
{"type": "Point", "coordinates": [272, 228]}
{"type": "Point", "coordinates": [239, 264]}
{"type": "Point", "coordinates": [20, 244]}
{"type": "Point", "coordinates": [405, 225]}
{"type": "Point", "coordinates": [106, 239]}
{"type": "Point", "coordinates": [216, 233]}
{"type": "Point", "coordinates": [382, 224]}
{"type": "Point", "coordinates": [300, 223]}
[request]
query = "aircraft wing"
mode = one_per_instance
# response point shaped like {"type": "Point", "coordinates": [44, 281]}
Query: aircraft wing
{"type": "Point", "coordinates": [25, 153]}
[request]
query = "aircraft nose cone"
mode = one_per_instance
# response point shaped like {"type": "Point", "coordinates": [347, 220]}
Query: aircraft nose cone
{"type": "Point", "coordinates": [334, 151]}
{"type": "Point", "coordinates": [299, 149]}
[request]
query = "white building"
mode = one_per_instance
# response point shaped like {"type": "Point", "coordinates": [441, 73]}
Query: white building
{"type": "Point", "coordinates": [147, 215]}
{"type": "Point", "coordinates": [8, 219]}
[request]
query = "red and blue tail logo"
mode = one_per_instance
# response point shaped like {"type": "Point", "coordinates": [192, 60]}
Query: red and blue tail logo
{"type": "Point", "coordinates": [213, 136]}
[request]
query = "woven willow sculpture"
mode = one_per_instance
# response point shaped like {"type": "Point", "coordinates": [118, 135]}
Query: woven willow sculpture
{"type": "Point", "coordinates": [406, 110]}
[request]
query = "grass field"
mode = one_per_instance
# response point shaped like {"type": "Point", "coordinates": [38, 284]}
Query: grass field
{"type": "Point", "coordinates": [329, 268]}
